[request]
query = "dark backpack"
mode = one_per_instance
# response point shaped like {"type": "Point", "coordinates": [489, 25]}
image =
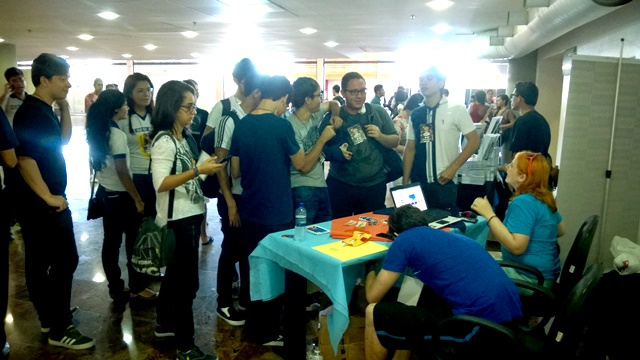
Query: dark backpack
{"type": "Point", "coordinates": [211, 186]}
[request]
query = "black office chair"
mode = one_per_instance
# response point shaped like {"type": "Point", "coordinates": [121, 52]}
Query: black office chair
{"type": "Point", "coordinates": [469, 337]}
{"type": "Point", "coordinates": [576, 260]}
{"type": "Point", "coordinates": [539, 306]}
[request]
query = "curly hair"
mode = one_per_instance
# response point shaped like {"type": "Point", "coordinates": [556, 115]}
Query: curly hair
{"type": "Point", "coordinates": [98, 126]}
{"type": "Point", "coordinates": [406, 217]}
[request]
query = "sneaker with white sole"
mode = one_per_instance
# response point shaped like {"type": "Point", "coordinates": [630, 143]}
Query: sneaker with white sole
{"type": "Point", "coordinates": [72, 339]}
{"type": "Point", "coordinates": [195, 354]}
{"type": "Point", "coordinates": [232, 316]}
{"type": "Point", "coordinates": [162, 331]}
{"type": "Point", "coordinates": [278, 341]}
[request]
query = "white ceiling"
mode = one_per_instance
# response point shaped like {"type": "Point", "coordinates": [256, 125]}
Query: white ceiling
{"type": "Point", "coordinates": [233, 27]}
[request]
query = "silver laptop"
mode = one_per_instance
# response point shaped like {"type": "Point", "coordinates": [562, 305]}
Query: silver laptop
{"type": "Point", "coordinates": [412, 194]}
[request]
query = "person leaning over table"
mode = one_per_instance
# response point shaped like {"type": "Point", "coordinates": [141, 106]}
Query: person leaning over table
{"type": "Point", "coordinates": [459, 276]}
{"type": "Point", "coordinates": [532, 224]}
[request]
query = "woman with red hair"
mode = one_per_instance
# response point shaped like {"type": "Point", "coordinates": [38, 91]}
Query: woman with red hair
{"type": "Point", "coordinates": [532, 224]}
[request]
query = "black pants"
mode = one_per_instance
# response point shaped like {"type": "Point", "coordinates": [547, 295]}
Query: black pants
{"type": "Point", "coordinates": [5, 238]}
{"type": "Point", "coordinates": [231, 253]}
{"type": "Point", "coordinates": [180, 283]}
{"type": "Point", "coordinates": [51, 258]}
{"type": "Point", "coordinates": [120, 217]}
{"type": "Point", "coordinates": [347, 200]}
{"type": "Point", "coordinates": [263, 317]}
{"type": "Point", "coordinates": [144, 185]}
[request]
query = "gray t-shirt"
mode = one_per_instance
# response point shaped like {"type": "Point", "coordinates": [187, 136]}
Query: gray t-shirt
{"type": "Point", "coordinates": [306, 136]}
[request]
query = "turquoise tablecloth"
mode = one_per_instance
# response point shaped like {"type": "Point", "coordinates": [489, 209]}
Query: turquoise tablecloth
{"type": "Point", "coordinates": [337, 279]}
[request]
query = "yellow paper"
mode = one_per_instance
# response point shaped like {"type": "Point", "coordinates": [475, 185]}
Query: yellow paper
{"type": "Point", "coordinates": [346, 253]}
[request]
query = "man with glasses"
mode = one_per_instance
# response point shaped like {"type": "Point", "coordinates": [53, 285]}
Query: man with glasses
{"type": "Point", "coordinates": [531, 131]}
{"type": "Point", "coordinates": [357, 181]}
{"type": "Point", "coordinates": [432, 156]}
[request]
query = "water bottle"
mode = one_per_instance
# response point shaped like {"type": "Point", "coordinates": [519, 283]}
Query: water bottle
{"type": "Point", "coordinates": [301, 222]}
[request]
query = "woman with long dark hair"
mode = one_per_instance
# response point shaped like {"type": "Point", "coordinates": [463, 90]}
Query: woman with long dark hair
{"type": "Point", "coordinates": [532, 224]}
{"type": "Point", "coordinates": [109, 158]}
{"type": "Point", "coordinates": [138, 90]}
{"type": "Point", "coordinates": [176, 106]}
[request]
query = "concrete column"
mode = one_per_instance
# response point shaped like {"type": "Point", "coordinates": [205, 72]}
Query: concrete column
{"type": "Point", "coordinates": [522, 69]}
{"type": "Point", "coordinates": [7, 57]}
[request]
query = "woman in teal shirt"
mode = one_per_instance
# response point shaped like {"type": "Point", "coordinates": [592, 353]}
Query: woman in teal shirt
{"type": "Point", "coordinates": [532, 224]}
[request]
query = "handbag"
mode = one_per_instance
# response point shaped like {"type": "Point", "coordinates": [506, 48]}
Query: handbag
{"type": "Point", "coordinates": [155, 246]}
{"type": "Point", "coordinates": [95, 210]}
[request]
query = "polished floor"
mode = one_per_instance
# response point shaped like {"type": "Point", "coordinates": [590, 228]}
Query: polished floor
{"type": "Point", "coordinates": [120, 333]}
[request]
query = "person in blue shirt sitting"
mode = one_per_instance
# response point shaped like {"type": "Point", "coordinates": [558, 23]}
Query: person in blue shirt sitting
{"type": "Point", "coordinates": [532, 223]}
{"type": "Point", "coordinates": [459, 276]}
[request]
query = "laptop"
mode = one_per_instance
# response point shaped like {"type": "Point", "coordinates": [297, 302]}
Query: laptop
{"type": "Point", "coordinates": [412, 194]}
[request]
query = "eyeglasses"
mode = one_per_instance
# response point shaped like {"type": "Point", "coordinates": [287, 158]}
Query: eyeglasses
{"type": "Point", "coordinates": [189, 108]}
{"type": "Point", "coordinates": [530, 157]}
{"type": "Point", "coordinates": [320, 95]}
{"type": "Point", "coordinates": [357, 92]}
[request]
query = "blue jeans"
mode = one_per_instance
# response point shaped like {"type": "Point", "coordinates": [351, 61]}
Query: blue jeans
{"type": "Point", "coordinates": [316, 202]}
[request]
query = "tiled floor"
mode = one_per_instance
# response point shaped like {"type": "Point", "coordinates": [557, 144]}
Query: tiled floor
{"type": "Point", "coordinates": [120, 333]}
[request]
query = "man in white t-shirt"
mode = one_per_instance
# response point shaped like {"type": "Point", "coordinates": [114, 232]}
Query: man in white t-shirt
{"type": "Point", "coordinates": [432, 156]}
{"type": "Point", "coordinates": [242, 102]}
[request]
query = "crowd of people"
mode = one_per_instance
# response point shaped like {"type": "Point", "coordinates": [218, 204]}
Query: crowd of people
{"type": "Point", "coordinates": [144, 154]}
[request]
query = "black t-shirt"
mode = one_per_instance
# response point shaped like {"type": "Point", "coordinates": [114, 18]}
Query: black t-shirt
{"type": "Point", "coordinates": [38, 130]}
{"type": "Point", "coordinates": [531, 132]}
{"type": "Point", "coordinates": [7, 137]}
{"type": "Point", "coordinates": [339, 99]}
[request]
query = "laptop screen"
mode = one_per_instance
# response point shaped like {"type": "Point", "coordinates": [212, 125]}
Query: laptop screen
{"type": "Point", "coordinates": [409, 195]}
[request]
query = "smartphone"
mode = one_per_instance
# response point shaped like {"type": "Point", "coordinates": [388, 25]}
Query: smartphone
{"type": "Point", "coordinates": [224, 159]}
{"type": "Point", "coordinates": [314, 229]}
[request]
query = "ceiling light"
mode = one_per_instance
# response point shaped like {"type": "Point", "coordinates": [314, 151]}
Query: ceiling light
{"type": "Point", "coordinates": [64, 56]}
{"type": "Point", "coordinates": [331, 44]}
{"type": "Point", "coordinates": [308, 31]}
{"type": "Point", "coordinates": [439, 5]}
{"type": "Point", "coordinates": [150, 47]}
{"type": "Point", "coordinates": [108, 15]}
{"type": "Point", "coordinates": [1, 40]}
{"type": "Point", "coordinates": [85, 37]}
{"type": "Point", "coordinates": [195, 54]}
{"type": "Point", "coordinates": [72, 48]}
{"type": "Point", "coordinates": [441, 28]}
{"type": "Point", "coordinates": [189, 34]}
{"type": "Point", "coordinates": [126, 55]}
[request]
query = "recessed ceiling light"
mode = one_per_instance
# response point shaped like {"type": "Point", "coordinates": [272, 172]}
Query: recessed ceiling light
{"type": "Point", "coordinates": [150, 47]}
{"type": "Point", "coordinates": [126, 55]}
{"type": "Point", "coordinates": [189, 34]}
{"type": "Point", "coordinates": [308, 31]}
{"type": "Point", "coordinates": [331, 44]}
{"type": "Point", "coordinates": [195, 54]}
{"type": "Point", "coordinates": [439, 5]}
{"type": "Point", "coordinates": [64, 56]}
{"type": "Point", "coordinates": [85, 37]}
{"type": "Point", "coordinates": [441, 28]}
{"type": "Point", "coordinates": [72, 48]}
{"type": "Point", "coordinates": [108, 15]}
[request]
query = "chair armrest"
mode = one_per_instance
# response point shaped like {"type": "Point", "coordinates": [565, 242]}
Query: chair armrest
{"type": "Point", "coordinates": [523, 267]}
{"type": "Point", "coordinates": [538, 305]}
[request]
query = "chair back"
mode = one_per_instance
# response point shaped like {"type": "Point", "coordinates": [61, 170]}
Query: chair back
{"type": "Point", "coordinates": [470, 337]}
{"type": "Point", "coordinates": [568, 325]}
{"type": "Point", "coordinates": [538, 307]}
{"type": "Point", "coordinates": [577, 258]}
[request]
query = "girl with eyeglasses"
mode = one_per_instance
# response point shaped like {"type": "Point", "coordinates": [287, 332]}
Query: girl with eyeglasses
{"type": "Point", "coordinates": [532, 224]}
{"type": "Point", "coordinates": [173, 166]}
